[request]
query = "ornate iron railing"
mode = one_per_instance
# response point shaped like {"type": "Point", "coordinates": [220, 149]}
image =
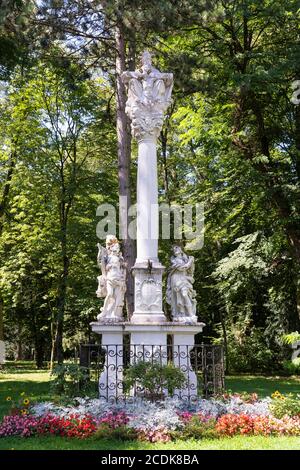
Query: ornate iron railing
{"type": "Point", "coordinates": [202, 366]}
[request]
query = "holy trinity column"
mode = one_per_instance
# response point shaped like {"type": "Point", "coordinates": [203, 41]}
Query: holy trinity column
{"type": "Point", "coordinates": [149, 95]}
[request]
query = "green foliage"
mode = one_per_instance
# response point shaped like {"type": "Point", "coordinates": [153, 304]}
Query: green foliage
{"type": "Point", "coordinates": [120, 433]}
{"type": "Point", "coordinates": [285, 405]}
{"type": "Point", "coordinates": [70, 380]}
{"type": "Point", "coordinates": [230, 140]}
{"type": "Point", "coordinates": [154, 377]}
{"type": "Point", "coordinates": [292, 367]}
{"type": "Point", "coordinates": [248, 351]}
{"type": "Point", "coordinates": [196, 428]}
{"type": "Point", "coordinates": [291, 338]}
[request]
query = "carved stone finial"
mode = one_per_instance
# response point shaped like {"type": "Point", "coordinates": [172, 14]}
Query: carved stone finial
{"type": "Point", "coordinates": [146, 59]}
{"type": "Point", "coordinates": [149, 95]}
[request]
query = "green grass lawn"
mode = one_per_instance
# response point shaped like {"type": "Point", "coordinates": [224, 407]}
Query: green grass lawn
{"type": "Point", "coordinates": [235, 443]}
{"type": "Point", "coordinates": [22, 377]}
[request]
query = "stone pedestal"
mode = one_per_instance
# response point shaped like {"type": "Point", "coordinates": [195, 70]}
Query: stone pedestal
{"type": "Point", "coordinates": [111, 378]}
{"type": "Point", "coordinates": [148, 342]}
{"type": "Point", "coordinates": [183, 343]}
{"type": "Point", "coordinates": [148, 293]}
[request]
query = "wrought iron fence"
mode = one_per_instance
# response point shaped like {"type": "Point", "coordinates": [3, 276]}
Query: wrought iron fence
{"type": "Point", "coordinates": [118, 375]}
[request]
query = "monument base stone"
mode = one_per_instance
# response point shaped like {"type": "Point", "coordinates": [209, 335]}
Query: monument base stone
{"type": "Point", "coordinates": [148, 342]}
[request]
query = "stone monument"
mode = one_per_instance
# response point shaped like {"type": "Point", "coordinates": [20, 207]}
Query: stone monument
{"type": "Point", "coordinates": [149, 95]}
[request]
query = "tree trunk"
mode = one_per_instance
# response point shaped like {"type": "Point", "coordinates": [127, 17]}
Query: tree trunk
{"type": "Point", "coordinates": [3, 207]}
{"type": "Point", "coordinates": [61, 298]}
{"type": "Point", "coordinates": [124, 159]}
{"type": "Point", "coordinates": [39, 353]}
{"type": "Point", "coordinates": [19, 343]}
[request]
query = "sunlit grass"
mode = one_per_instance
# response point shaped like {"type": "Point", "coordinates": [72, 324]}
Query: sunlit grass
{"type": "Point", "coordinates": [23, 377]}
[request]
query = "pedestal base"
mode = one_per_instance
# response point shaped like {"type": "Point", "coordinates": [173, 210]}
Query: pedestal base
{"type": "Point", "coordinates": [148, 293]}
{"type": "Point", "coordinates": [111, 378]}
{"type": "Point", "coordinates": [148, 342]}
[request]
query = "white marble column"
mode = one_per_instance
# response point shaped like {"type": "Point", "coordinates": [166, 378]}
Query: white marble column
{"type": "Point", "coordinates": [147, 201]}
{"type": "Point", "coordinates": [149, 95]}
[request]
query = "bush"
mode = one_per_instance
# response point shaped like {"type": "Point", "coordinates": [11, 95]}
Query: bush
{"type": "Point", "coordinates": [121, 433]}
{"type": "Point", "coordinates": [70, 380]}
{"type": "Point", "coordinates": [26, 426]}
{"type": "Point", "coordinates": [154, 378]}
{"type": "Point", "coordinates": [285, 405]}
{"type": "Point", "coordinates": [250, 353]}
{"type": "Point", "coordinates": [198, 427]}
{"type": "Point", "coordinates": [292, 367]}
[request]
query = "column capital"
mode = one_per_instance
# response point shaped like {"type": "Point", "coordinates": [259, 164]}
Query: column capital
{"type": "Point", "coordinates": [149, 95]}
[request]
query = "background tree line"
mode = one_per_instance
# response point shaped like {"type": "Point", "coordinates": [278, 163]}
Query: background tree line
{"type": "Point", "coordinates": [231, 140]}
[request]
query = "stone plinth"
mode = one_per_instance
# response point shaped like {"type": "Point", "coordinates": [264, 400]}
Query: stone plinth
{"type": "Point", "coordinates": [148, 342]}
{"type": "Point", "coordinates": [111, 379]}
{"type": "Point", "coordinates": [148, 293]}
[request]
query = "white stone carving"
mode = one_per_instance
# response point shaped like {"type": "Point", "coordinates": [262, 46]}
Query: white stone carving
{"type": "Point", "coordinates": [112, 282]}
{"type": "Point", "coordinates": [149, 95]}
{"type": "Point", "coordinates": [148, 294]}
{"type": "Point", "coordinates": [296, 350]}
{"type": "Point", "coordinates": [180, 292]}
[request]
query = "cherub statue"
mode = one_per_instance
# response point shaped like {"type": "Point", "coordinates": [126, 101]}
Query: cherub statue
{"type": "Point", "coordinates": [112, 282]}
{"type": "Point", "coordinates": [180, 292]}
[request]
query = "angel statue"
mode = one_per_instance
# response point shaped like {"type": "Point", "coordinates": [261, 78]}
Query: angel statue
{"type": "Point", "coordinates": [180, 293]}
{"type": "Point", "coordinates": [112, 282]}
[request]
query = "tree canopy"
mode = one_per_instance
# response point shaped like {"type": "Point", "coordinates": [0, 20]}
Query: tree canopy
{"type": "Point", "coordinates": [231, 140]}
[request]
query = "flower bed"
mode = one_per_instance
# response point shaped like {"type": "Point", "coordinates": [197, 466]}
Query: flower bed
{"type": "Point", "coordinates": [160, 421]}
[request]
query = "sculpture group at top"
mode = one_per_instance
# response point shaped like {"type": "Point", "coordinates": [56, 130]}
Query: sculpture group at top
{"type": "Point", "coordinates": [112, 284]}
{"type": "Point", "coordinates": [149, 95]}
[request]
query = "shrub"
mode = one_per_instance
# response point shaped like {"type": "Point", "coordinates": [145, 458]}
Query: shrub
{"type": "Point", "coordinates": [161, 434]}
{"type": "Point", "coordinates": [154, 378]}
{"type": "Point", "coordinates": [250, 353]}
{"type": "Point", "coordinates": [115, 419]}
{"type": "Point", "coordinates": [197, 427]}
{"type": "Point", "coordinates": [25, 426]}
{"type": "Point", "coordinates": [70, 380]}
{"type": "Point", "coordinates": [230, 424]}
{"type": "Point", "coordinates": [121, 433]}
{"type": "Point", "coordinates": [285, 405]}
{"type": "Point", "coordinates": [292, 367]}
{"type": "Point", "coordinates": [16, 425]}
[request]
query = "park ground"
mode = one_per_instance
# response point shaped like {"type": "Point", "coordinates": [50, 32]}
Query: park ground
{"type": "Point", "coordinates": [35, 384]}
